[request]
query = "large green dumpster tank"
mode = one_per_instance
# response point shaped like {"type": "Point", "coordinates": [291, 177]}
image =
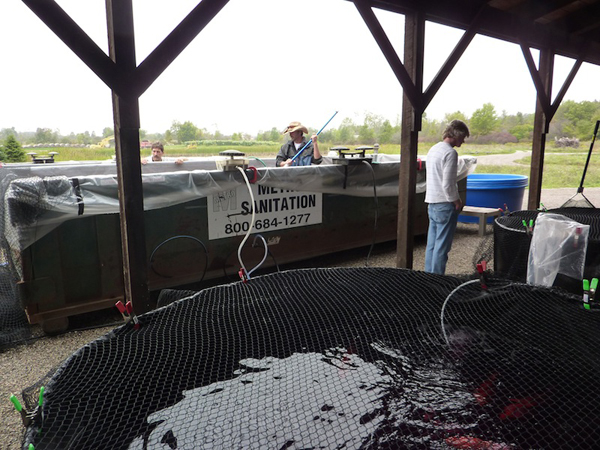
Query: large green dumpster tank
{"type": "Point", "coordinates": [77, 266]}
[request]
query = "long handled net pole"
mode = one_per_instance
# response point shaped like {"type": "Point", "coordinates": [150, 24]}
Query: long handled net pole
{"type": "Point", "coordinates": [587, 162]}
{"type": "Point", "coordinates": [319, 132]}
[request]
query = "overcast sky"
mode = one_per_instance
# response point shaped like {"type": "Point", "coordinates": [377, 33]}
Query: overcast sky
{"type": "Point", "coordinates": [259, 64]}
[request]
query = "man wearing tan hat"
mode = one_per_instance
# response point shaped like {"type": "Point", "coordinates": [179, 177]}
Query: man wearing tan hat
{"type": "Point", "coordinates": [310, 154]}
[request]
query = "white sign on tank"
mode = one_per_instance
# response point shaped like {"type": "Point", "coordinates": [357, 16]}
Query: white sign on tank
{"type": "Point", "coordinates": [230, 212]}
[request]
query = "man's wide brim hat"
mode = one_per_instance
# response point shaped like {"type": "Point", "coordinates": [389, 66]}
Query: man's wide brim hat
{"type": "Point", "coordinates": [294, 126]}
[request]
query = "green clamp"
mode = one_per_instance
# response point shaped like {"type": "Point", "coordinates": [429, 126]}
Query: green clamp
{"type": "Point", "coordinates": [15, 401]}
{"type": "Point", "coordinates": [24, 417]}
{"type": "Point", "coordinates": [586, 293]}
{"type": "Point", "coordinates": [589, 293]}
{"type": "Point", "coordinates": [528, 228]}
{"type": "Point", "coordinates": [42, 389]}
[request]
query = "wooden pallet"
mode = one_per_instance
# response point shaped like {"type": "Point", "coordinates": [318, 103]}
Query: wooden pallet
{"type": "Point", "coordinates": [482, 213]}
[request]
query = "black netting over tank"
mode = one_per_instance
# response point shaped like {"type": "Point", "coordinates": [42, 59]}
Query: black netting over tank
{"type": "Point", "coordinates": [512, 242]}
{"type": "Point", "coordinates": [365, 358]}
{"type": "Point", "coordinates": [35, 195]}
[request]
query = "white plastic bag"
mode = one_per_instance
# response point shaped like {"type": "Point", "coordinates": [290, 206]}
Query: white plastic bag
{"type": "Point", "coordinates": [559, 245]}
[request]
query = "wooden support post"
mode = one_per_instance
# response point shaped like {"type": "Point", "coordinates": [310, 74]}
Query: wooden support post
{"type": "Point", "coordinates": [127, 83]}
{"type": "Point", "coordinates": [414, 39]}
{"type": "Point", "coordinates": [129, 172]}
{"type": "Point", "coordinates": [540, 129]}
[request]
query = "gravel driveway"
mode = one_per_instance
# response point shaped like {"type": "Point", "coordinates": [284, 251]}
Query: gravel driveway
{"type": "Point", "coordinates": [504, 159]}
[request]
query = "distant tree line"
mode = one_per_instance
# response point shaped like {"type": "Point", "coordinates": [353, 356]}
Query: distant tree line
{"type": "Point", "coordinates": [43, 136]}
{"type": "Point", "coordinates": [573, 119]}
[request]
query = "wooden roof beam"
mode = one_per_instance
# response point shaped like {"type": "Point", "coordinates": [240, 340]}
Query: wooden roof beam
{"type": "Point", "coordinates": [454, 57]}
{"type": "Point", "coordinates": [501, 24]}
{"type": "Point", "coordinates": [78, 41]}
{"type": "Point", "coordinates": [181, 36]}
{"type": "Point", "coordinates": [409, 88]}
{"type": "Point", "coordinates": [569, 9]}
{"type": "Point", "coordinates": [543, 95]}
{"type": "Point", "coordinates": [101, 64]}
{"type": "Point", "coordinates": [531, 9]}
{"type": "Point", "coordinates": [563, 90]}
{"type": "Point", "coordinates": [581, 21]}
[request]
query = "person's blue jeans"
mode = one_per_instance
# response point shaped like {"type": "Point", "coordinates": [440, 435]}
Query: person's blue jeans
{"type": "Point", "coordinates": [442, 224]}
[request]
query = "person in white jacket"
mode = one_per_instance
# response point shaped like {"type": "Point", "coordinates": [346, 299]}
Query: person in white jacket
{"type": "Point", "coordinates": [442, 196]}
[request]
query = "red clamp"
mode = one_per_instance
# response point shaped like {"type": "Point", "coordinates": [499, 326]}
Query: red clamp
{"type": "Point", "coordinates": [127, 313]}
{"type": "Point", "coordinates": [243, 275]}
{"type": "Point", "coordinates": [481, 268]}
{"type": "Point", "coordinates": [254, 175]}
{"type": "Point", "coordinates": [419, 164]}
{"type": "Point", "coordinates": [136, 323]}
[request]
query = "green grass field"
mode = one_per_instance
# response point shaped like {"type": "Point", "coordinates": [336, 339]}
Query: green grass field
{"type": "Point", "coordinates": [559, 170]}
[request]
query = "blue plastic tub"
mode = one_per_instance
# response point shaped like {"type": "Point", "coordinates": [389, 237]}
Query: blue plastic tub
{"type": "Point", "coordinates": [494, 190]}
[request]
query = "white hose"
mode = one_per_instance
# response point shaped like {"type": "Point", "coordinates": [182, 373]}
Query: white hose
{"type": "Point", "coordinates": [264, 256]}
{"type": "Point", "coordinates": [239, 253]}
{"type": "Point", "coordinates": [446, 302]}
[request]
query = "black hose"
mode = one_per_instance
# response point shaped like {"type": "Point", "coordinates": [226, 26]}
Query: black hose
{"type": "Point", "coordinates": [178, 237]}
